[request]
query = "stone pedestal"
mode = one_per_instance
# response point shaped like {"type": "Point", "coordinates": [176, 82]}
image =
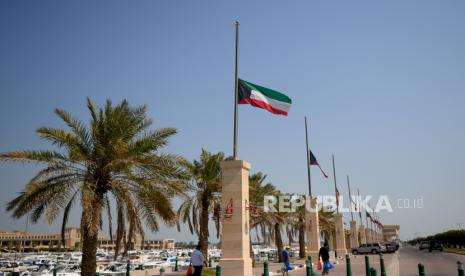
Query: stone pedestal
{"type": "Point", "coordinates": [361, 230]}
{"type": "Point", "coordinates": [235, 240]}
{"type": "Point", "coordinates": [353, 234]}
{"type": "Point", "coordinates": [313, 228]}
{"type": "Point", "coordinates": [340, 239]}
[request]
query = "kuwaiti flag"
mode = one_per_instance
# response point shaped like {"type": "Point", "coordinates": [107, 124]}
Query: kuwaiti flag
{"type": "Point", "coordinates": [262, 97]}
{"type": "Point", "coordinates": [314, 162]}
{"type": "Point", "coordinates": [369, 216]}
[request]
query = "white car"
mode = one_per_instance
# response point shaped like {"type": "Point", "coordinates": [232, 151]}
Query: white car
{"type": "Point", "coordinates": [374, 248]}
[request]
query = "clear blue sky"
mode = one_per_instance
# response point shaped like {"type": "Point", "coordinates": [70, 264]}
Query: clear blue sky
{"type": "Point", "coordinates": [382, 84]}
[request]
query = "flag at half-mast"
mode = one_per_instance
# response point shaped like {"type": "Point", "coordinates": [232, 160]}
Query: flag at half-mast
{"type": "Point", "coordinates": [369, 216]}
{"type": "Point", "coordinates": [262, 97]}
{"type": "Point", "coordinates": [314, 162]}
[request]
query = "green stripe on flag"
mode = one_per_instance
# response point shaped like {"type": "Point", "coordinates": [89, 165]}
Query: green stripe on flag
{"type": "Point", "coordinates": [269, 93]}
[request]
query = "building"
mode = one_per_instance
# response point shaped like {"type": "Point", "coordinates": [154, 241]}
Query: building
{"type": "Point", "coordinates": [391, 232]}
{"type": "Point", "coordinates": [18, 240]}
{"type": "Point", "coordinates": [22, 241]}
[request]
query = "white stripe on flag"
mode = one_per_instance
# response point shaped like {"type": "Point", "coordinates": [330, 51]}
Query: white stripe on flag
{"type": "Point", "coordinates": [283, 106]}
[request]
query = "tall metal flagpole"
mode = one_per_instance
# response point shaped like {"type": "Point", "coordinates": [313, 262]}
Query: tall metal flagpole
{"type": "Point", "coordinates": [350, 199]}
{"type": "Point", "coordinates": [371, 220]}
{"type": "Point", "coordinates": [308, 160]}
{"type": "Point", "coordinates": [359, 209]}
{"type": "Point", "coordinates": [236, 92]}
{"type": "Point", "coordinates": [366, 218]}
{"type": "Point", "coordinates": [335, 187]}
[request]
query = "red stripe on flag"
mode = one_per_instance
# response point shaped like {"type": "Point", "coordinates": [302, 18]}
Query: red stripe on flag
{"type": "Point", "coordinates": [263, 105]}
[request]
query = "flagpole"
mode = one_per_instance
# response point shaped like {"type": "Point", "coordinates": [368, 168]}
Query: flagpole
{"type": "Point", "coordinates": [371, 223]}
{"type": "Point", "coordinates": [335, 187]}
{"type": "Point", "coordinates": [375, 226]}
{"type": "Point", "coordinates": [359, 209]}
{"type": "Point", "coordinates": [366, 219]}
{"type": "Point", "coordinates": [350, 199]}
{"type": "Point", "coordinates": [308, 160]}
{"type": "Point", "coordinates": [236, 92]}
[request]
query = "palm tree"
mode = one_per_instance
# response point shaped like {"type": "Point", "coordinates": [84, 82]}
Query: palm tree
{"type": "Point", "coordinates": [269, 223]}
{"type": "Point", "coordinates": [205, 197]}
{"type": "Point", "coordinates": [297, 227]}
{"type": "Point", "coordinates": [115, 159]}
{"type": "Point", "coordinates": [278, 239]}
{"type": "Point", "coordinates": [326, 218]}
{"type": "Point", "coordinates": [256, 193]}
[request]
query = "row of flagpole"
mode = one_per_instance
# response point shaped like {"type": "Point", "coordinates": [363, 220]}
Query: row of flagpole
{"type": "Point", "coordinates": [375, 224]}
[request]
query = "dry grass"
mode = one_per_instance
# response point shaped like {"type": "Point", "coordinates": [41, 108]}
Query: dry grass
{"type": "Point", "coordinates": [455, 250]}
{"type": "Point", "coordinates": [208, 272]}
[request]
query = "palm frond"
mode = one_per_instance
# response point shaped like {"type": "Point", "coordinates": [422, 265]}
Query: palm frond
{"type": "Point", "coordinates": [66, 215]}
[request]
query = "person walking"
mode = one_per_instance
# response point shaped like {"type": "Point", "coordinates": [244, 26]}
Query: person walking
{"type": "Point", "coordinates": [286, 262]}
{"type": "Point", "coordinates": [198, 260]}
{"type": "Point", "coordinates": [286, 257]}
{"type": "Point", "coordinates": [324, 255]}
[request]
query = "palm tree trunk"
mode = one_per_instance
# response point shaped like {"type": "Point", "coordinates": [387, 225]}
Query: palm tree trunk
{"type": "Point", "coordinates": [90, 238]}
{"type": "Point", "coordinates": [89, 251]}
{"type": "Point", "coordinates": [301, 239]}
{"type": "Point", "coordinates": [203, 235]}
{"type": "Point", "coordinates": [279, 241]}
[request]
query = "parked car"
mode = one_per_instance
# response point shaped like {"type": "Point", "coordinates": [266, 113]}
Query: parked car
{"type": "Point", "coordinates": [366, 248]}
{"type": "Point", "coordinates": [435, 245]}
{"type": "Point", "coordinates": [423, 245]}
{"type": "Point", "coordinates": [396, 244]}
{"type": "Point", "coordinates": [390, 248]}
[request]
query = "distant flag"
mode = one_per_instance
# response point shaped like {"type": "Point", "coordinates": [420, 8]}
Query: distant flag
{"type": "Point", "coordinates": [314, 162]}
{"type": "Point", "coordinates": [368, 216]}
{"type": "Point", "coordinates": [262, 97]}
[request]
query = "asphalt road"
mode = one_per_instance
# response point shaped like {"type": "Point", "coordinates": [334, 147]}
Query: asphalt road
{"type": "Point", "coordinates": [436, 263]}
{"type": "Point", "coordinates": [402, 263]}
